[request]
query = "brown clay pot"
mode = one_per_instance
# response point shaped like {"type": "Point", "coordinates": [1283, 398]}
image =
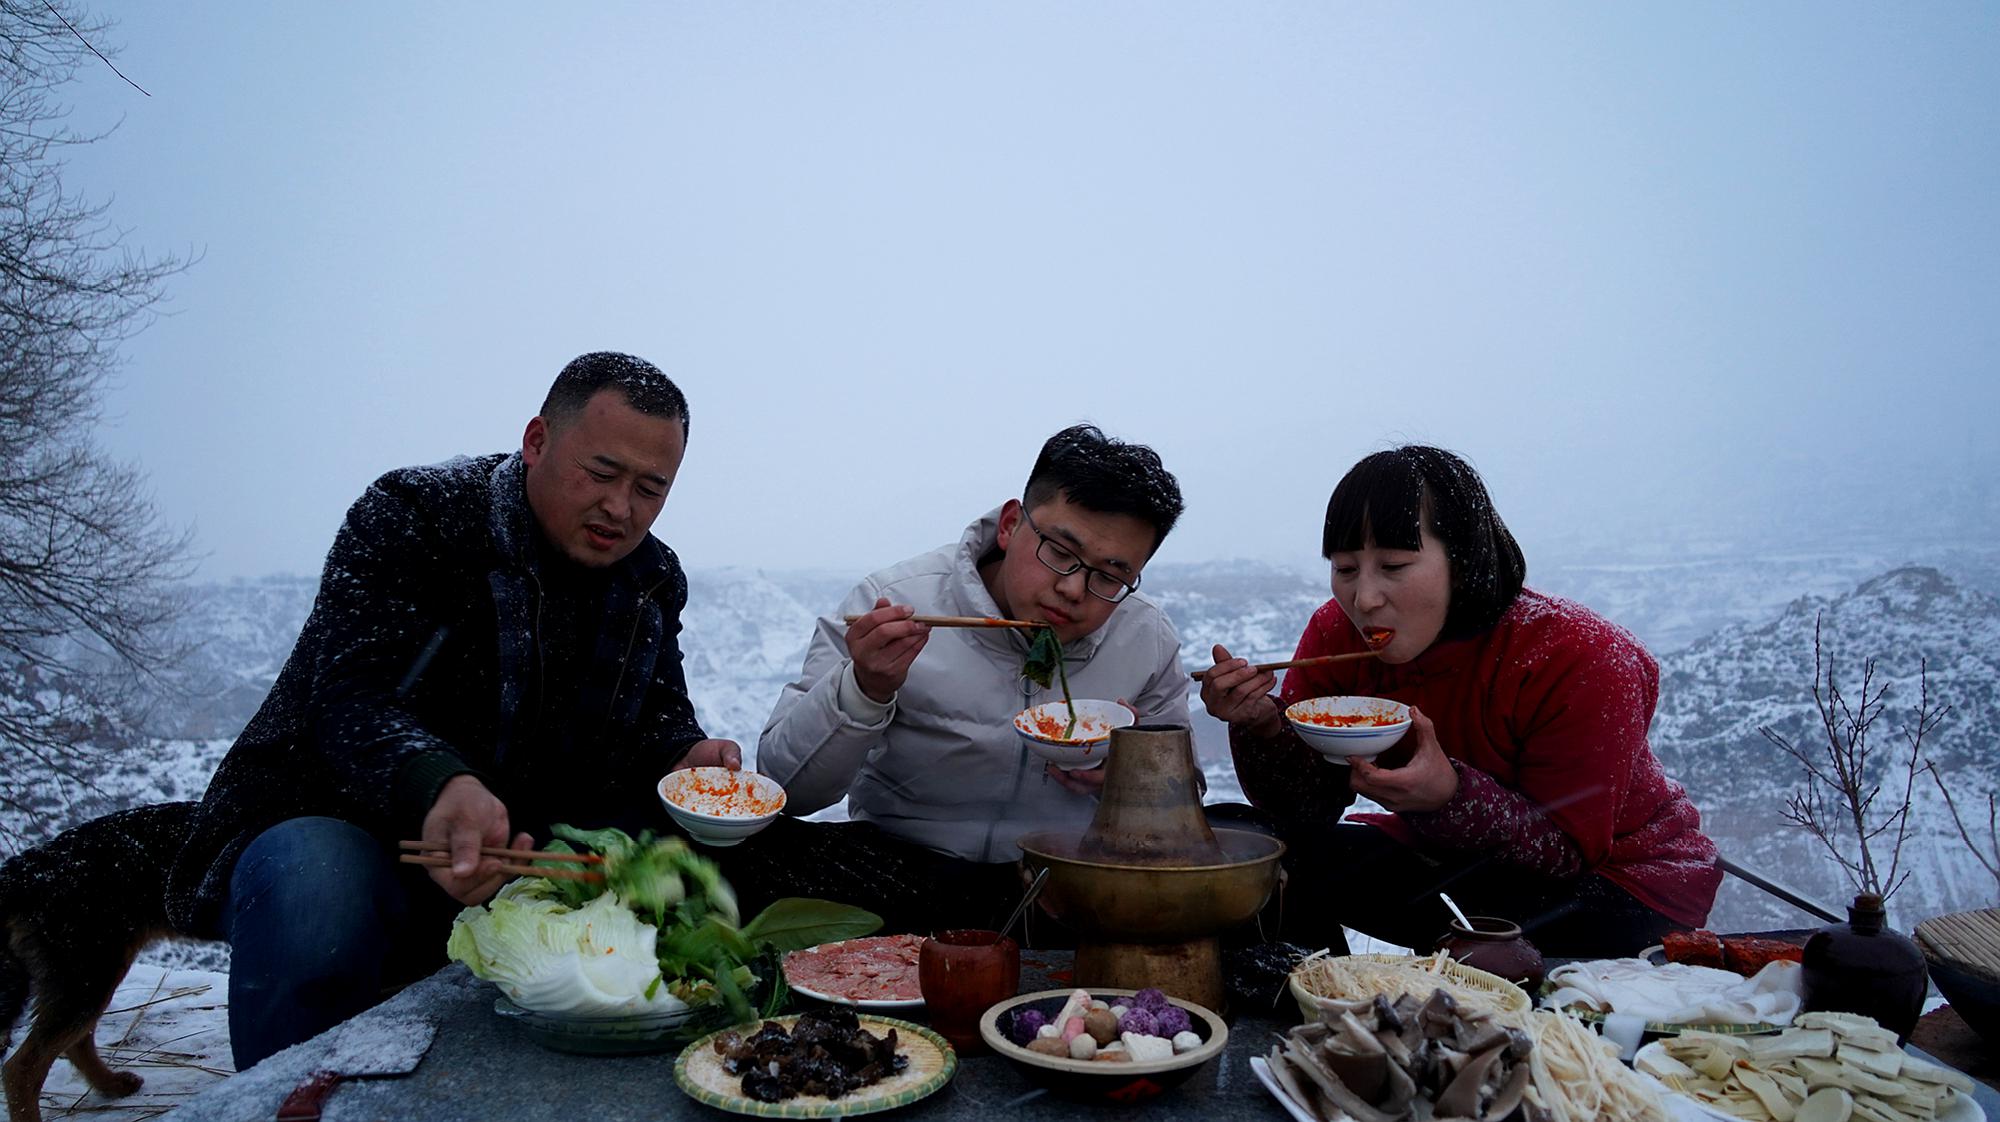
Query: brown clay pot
{"type": "Point", "coordinates": [1497, 947]}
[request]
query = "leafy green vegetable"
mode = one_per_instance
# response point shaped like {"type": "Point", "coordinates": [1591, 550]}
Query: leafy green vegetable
{"type": "Point", "coordinates": [678, 897]}
{"type": "Point", "coordinates": [797, 922]}
{"type": "Point", "coordinates": [606, 841]}
{"type": "Point", "coordinates": [1044, 665]}
{"type": "Point", "coordinates": [1044, 655]}
{"type": "Point", "coordinates": [592, 961]}
{"type": "Point", "coordinates": [656, 878]}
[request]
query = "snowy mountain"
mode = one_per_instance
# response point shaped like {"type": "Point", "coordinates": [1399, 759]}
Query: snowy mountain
{"type": "Point", "coordinates": [1749, 664]}
{"type": "Point", "coordinates": [240, 632]}
{"type": "Point", "coordinates": [744, 636]}
{"type": "Point", "coordinates": [1717, 694]}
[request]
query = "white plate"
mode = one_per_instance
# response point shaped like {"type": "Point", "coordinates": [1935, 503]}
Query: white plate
{"type": "Point", "coordinates": [1262, 1068]}
{"type": "Point", "coordinates": [1962, 1108]}
{"type": "Point", "coordinates": [876, 1003]}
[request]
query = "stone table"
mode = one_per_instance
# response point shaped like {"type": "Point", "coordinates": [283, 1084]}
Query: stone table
{"type": "Point", "coordinates": [480, 1067]}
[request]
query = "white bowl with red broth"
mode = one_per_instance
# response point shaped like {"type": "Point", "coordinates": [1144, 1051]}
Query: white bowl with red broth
{"type": "Point", "coordinates": [1349, 728]}
{"type": "Point", "coordinates": [717, 806]}
{"type": "Point", "coordinates": [1045, 730]}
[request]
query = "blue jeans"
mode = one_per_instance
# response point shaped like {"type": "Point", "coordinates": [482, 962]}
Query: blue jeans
{"type": "Point", "coordinates": [320, 918]}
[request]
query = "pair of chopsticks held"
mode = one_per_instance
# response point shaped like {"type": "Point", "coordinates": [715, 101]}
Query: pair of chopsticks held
{"type": "Point", "coordinates": [437, 855]}
{"type": "Point", "coordinates": [1199, 675]}
{"type": "Point", "coordinates": [966, 621]}
{"type": "Point", "coordinates": [1320, 660]}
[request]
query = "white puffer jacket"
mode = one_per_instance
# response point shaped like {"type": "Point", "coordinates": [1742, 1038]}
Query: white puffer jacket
{"type": "Point", "coordinates": [943, 767]}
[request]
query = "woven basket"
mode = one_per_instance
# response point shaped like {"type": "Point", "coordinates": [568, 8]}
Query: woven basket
{"type": "Point", "coordinates": [1963, 950]}
{"type": "Point", "coordinates": [1364, 975]}
{"type": "Point", "coordinates": [1968, 940]}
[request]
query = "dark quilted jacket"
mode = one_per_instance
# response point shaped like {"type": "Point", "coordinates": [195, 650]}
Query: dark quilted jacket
{"type": "Point", "coordinates": [424, 657]}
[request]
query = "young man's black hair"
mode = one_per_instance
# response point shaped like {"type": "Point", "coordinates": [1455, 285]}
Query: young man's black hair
{"type": "Point", "coordinates": [1106, 475]}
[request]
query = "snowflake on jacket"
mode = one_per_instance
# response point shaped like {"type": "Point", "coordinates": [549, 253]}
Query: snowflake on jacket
{"type": "Point", "coordinates": [1544, 717]}
{"type": "Point", "coordinates": [428, 654]}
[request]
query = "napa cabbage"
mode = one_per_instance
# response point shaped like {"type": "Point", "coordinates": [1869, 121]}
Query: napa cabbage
{"type": "Point", "coordinates": [596, 960]}
{"type": "Point", "coordinates": [659, 931]}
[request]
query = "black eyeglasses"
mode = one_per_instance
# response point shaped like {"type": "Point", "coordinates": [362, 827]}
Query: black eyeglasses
{"type": "Point", "coordinates": [1060, 560]}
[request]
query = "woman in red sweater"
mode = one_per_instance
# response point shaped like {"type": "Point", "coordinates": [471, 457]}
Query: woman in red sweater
{"type": "Point", "coordinates": [1525, 786]}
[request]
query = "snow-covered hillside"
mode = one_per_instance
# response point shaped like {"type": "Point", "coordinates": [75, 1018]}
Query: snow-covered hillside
{"type": "Point", "coordinates": [1717, 693]}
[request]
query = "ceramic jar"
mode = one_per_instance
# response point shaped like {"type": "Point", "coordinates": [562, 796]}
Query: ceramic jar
{"type": "Point", "coordinates": [1497, 947]}
{"type": "Point", "coordinates": [962, 973]}
{"type": "Point", "coordinates": [1862, 966]}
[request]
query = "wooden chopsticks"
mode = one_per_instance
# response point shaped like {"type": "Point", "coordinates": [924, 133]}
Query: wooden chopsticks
{"type": "Point", "coordinates": [1321, 660]}
{"type": "Point", "coordinates": [436, 855]}
{"type": "Point", "coordinates": [966, 621]}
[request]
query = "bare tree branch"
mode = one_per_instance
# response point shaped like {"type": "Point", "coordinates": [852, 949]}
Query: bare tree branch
{"type": "Point", "coordinates": [93, 50]}
{"type": "Point", "coordinates": [1838, 805]}
{"type": "Point", "coordinates": [90, 579]}
{"type": "Point", "coordinates": [1988, 856]}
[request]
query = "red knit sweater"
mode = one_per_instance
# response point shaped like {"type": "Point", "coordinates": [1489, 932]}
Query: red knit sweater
{"type": "Point", "coordinates": [1545, 719]}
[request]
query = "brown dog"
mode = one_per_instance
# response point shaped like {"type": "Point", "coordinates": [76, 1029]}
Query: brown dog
{"type": "Point", "coordinates": [74, 913]}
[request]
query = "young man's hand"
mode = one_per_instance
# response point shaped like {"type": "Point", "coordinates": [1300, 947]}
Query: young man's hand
{"type": "Point", "coordinates": [712, 753]}
{"type": "Point", "coordinates": [883, 644]}
{"type": "Point", "coordinates": [466, 816]}
{"type": "Point", "coordinates": [1084, 781]}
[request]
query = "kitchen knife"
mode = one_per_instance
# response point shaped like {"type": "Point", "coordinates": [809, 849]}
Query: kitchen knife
{"type": "Point", "coordinates": [361, 1048]}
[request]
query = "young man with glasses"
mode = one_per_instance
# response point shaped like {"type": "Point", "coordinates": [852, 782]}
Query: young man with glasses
{"type": "Point", "coordinates": [914, 725]}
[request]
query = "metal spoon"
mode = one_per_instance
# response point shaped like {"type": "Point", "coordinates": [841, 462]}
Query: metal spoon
{"type": "Point", "coordinates": [1028, 897]}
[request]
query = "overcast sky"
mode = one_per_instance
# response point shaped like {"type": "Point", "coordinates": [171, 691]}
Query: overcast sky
{"type": "Point", "coordinates": [1668, 274]}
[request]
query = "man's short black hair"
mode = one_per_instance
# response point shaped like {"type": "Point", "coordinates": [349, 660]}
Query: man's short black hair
{"type": "Point", "coordinates": [1109, 476]}
{"type": "Point", "coordinates": [1388, 495]}
{"type": "Point", "coordinates": [646, 389]}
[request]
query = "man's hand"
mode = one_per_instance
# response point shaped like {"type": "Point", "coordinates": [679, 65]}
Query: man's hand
{"type": "Point", "coordinates": [1427, 782]}
{"type": "Point", "coordinates": [465, 817]}
{"type": "Point", "coordinates": [883, 644]}
{"type": "Point", "coordinates": [712, 753]}
{"type": "Point", "coordinates": [1085, 781]}
{"type": "Point", "coordinates": [1231, 691]}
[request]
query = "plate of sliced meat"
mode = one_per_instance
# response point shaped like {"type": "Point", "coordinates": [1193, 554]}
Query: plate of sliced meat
{"type": "Point", "coordinates": [878, 972]}
{"type": "Point", "coordinates": [1740, 954]}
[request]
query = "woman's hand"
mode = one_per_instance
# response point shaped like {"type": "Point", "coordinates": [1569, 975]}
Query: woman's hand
{"type": "Point", "coordinates": [1234, 692]}
{"type": "Point", "coordinates": [1427, 782]}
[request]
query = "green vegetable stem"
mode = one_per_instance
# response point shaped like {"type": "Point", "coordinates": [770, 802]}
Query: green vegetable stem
{"type": "Point", "coordinates": [1044, 665]}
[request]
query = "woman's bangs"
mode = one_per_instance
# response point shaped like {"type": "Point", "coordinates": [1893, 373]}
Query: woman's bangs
{"type": "Point", "coordinates": [1381, 499]}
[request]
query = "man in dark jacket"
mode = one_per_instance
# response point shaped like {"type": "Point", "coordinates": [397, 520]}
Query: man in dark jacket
{"type": "Point", "coordinates": [493, 650]}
